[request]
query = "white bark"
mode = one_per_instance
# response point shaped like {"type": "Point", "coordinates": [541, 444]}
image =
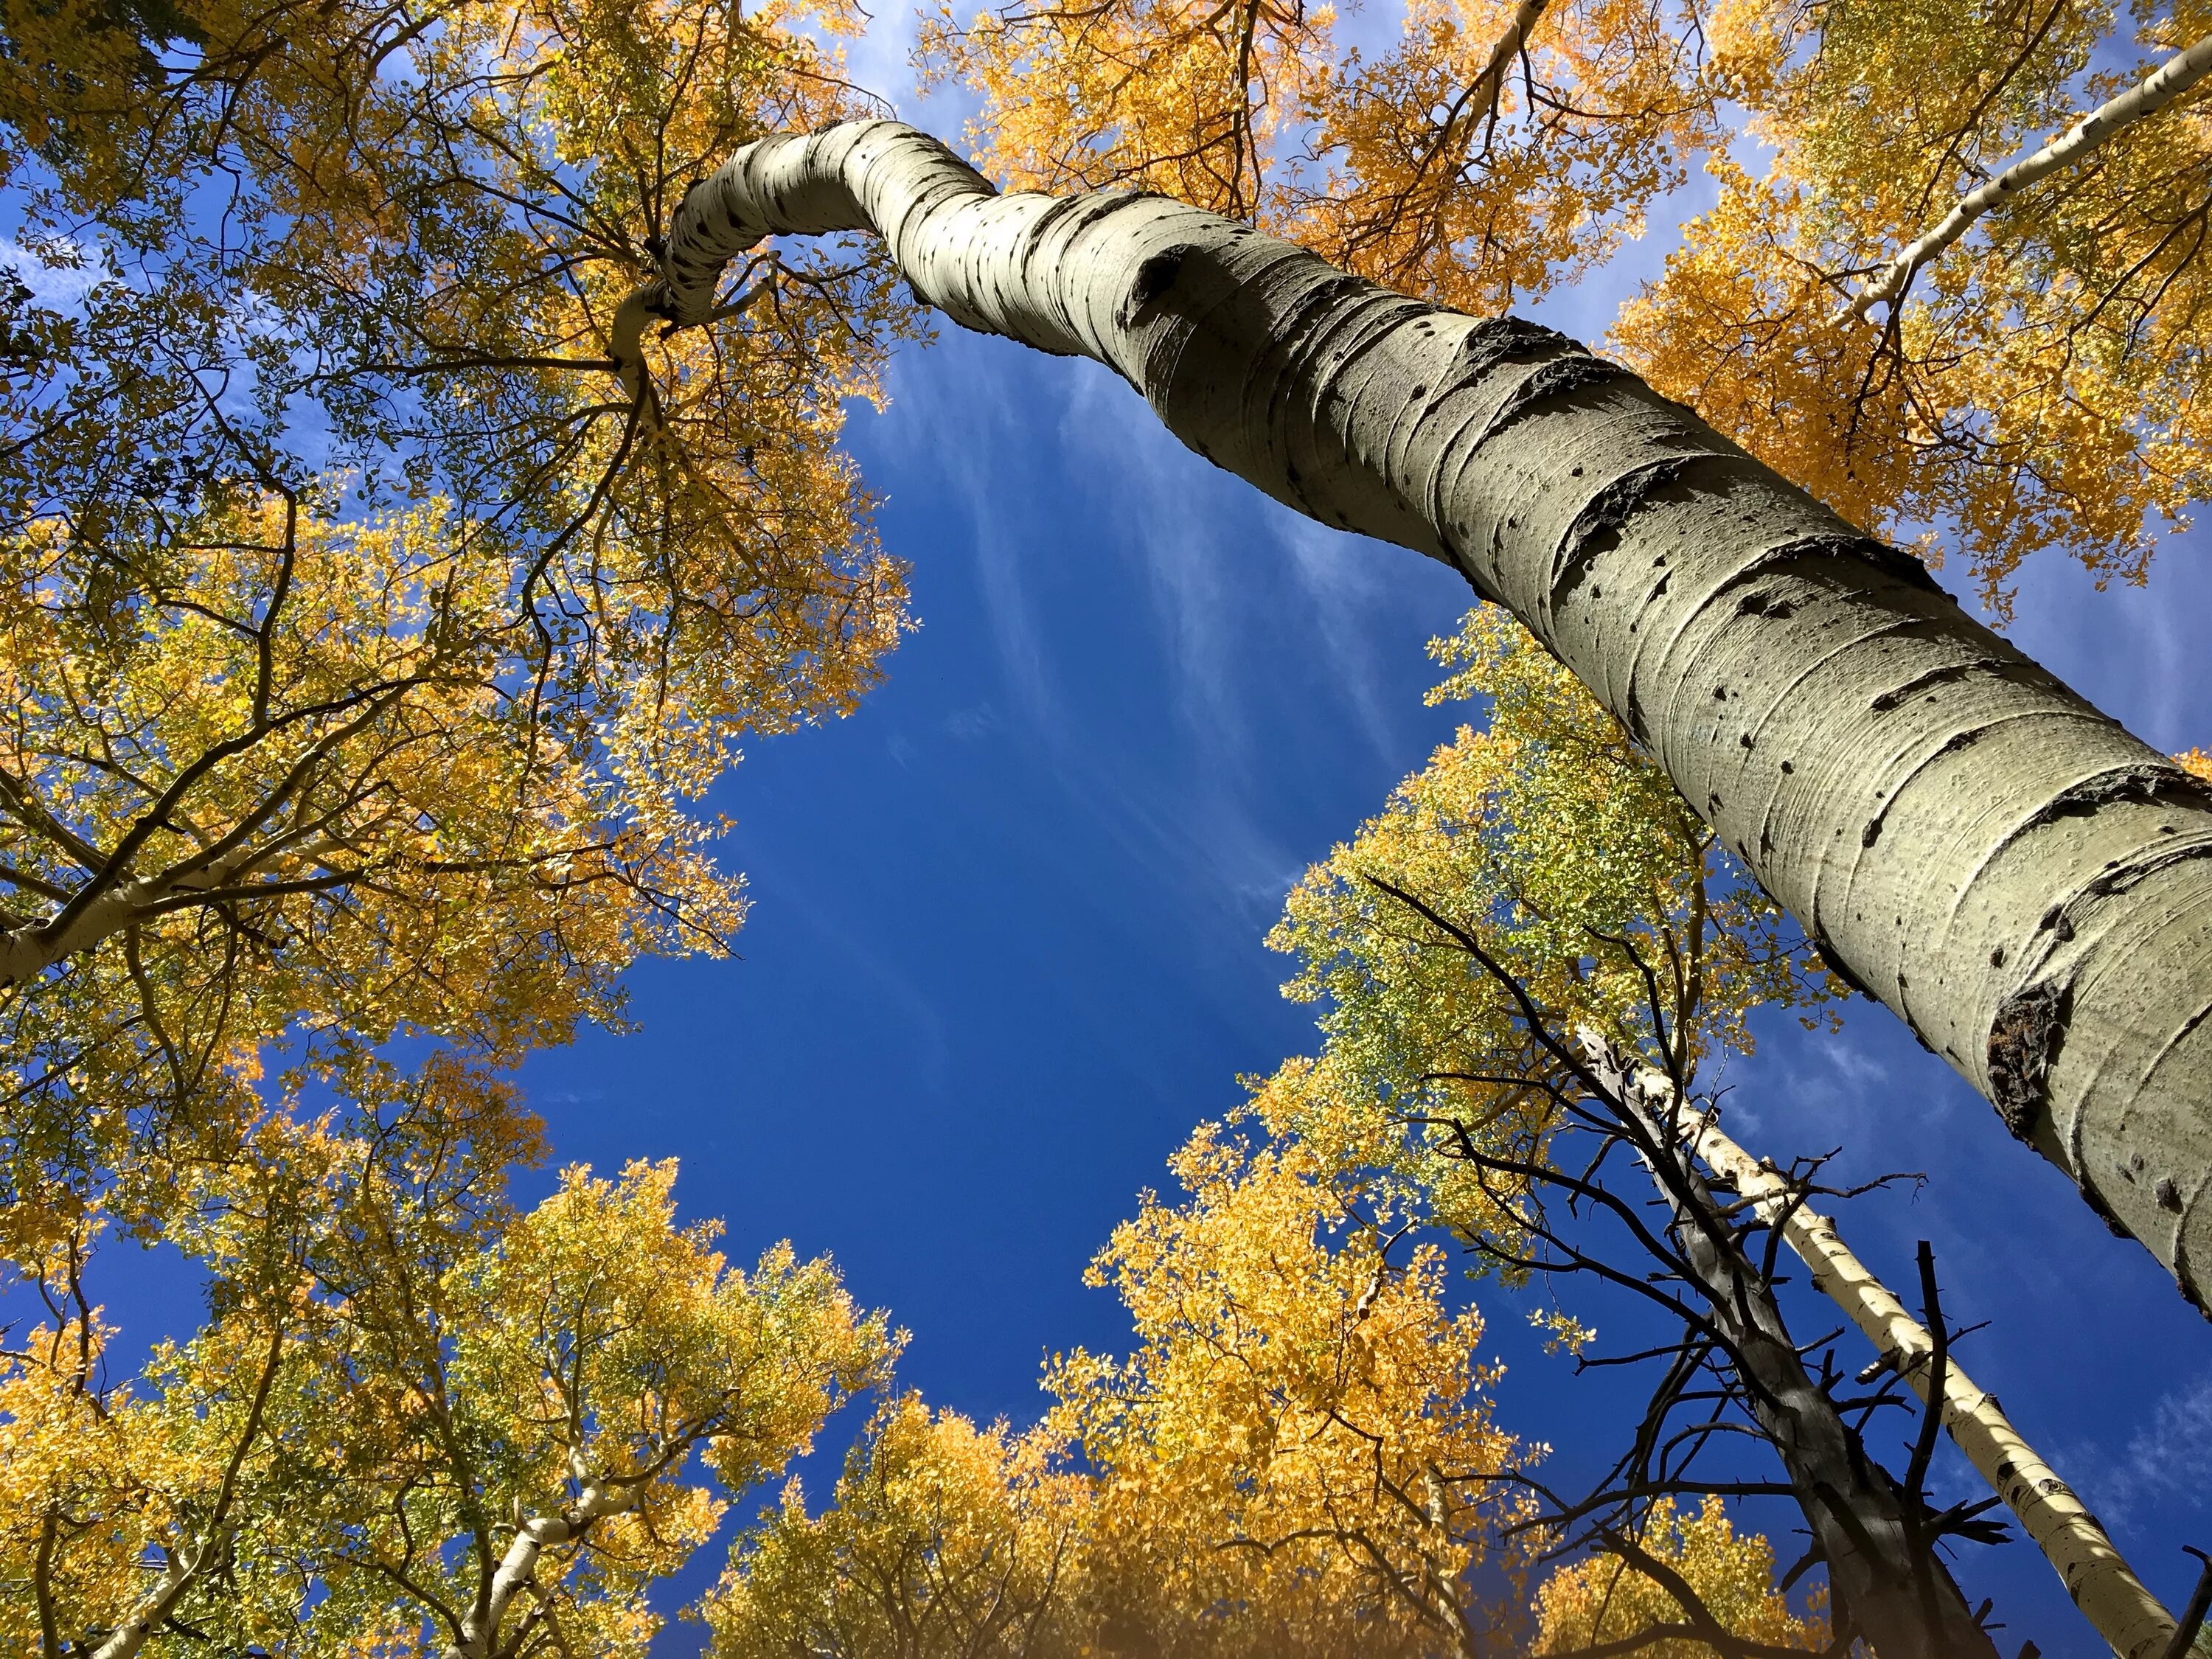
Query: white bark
{"type": "Point", "coordinates": [518, 1568]}
{"type": "Point", "coordinates": [1488, 86]}
{"type": "Point", "coordinates": [2147, 97]}
{"type": "Point", "coordinates": [212, 1542]}
{"type": "Point", "coordinates": [2027, 886]}
{"type": "Point", "coordinates": [1896, 1588]}
{"type": "Point", "coordinates": [2127, 1615]}
{"type": "Point", "coordinates": [27, 951]}
{"type": "Point", "coordinates": [128, 1638]}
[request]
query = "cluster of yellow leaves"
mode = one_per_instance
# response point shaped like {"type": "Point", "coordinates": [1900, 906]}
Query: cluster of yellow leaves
{"type": "Point", "coordinates": [1397, 165]}
{"type": "Point", "coordinates": [1298, 1459]}
{"type": "Point", "coordinates": [1550, 842]}
{"type": "Point", "coordinates": [295, 797]}
{"type": "Point", "coordinates": [1304, 1431]}
{"type": "Point", "coordinates": [368, 650]}
{"type": "Point", "coordinates": [1604, 1600]}
{"type": "Point", "coordinates": [2040, 385]}
{"type": "Point", "coordinates": [941, 1538]}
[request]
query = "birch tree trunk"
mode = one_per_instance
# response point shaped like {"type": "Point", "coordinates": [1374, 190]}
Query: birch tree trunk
{"type": "Point", "coordinates": [518, 1568]}
{"type": "Point", "coordinates": [2147, 97]}
{"type": "Point", "coordinates": [1892, 1584]}
{"type": "Point", "coordinates": [2132, 1621]}
{"type": "Point", "coordinates": [2027, 885]}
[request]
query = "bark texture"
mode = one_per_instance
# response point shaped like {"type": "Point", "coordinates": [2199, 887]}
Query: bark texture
{"type": "Point", "coordinates": [2027, 886]}
{"type": "Point", "coordinates": [2132, 1621]}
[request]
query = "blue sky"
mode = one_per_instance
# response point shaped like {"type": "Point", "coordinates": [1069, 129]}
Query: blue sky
{"type": "Point", "coordinates": [1006, 948]}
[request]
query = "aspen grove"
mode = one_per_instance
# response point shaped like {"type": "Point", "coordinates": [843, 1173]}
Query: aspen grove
{"type": "Point", "coordinates": [423, 474]}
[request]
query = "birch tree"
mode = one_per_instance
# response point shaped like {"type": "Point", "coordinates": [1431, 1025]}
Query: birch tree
{"type": "Point", "coordinates": [1294, 1460]}
{"type": "Point", "coordinates": [2034, 389]}
{"type": "Point", "coordinates": [1957, 832]}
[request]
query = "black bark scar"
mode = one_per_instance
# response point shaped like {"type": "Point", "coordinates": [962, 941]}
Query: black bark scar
{"type": "Point", "coordinates": [2025, 1038]}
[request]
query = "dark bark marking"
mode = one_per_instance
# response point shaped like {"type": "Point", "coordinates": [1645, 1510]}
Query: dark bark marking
{"type": "Point", "coordinates": [1502, 340]}
{"type": "Point", "coordinates": [1063, 207]}
{"type": "Point", "coordinates": [1556, 379]}
{"type": "Point", "coordinates": [1832, 549]}
{"type": "Point", "coordinates": [1603, 514]}
{"type": "Point", "coordinates": [2025, 1039]}
{"type": "Point", "coordinates": [1155, 278]}
{"type": "Point", "coordinates": [1765, 604]}
{"type": "Point", "coordinates": [2146, 781]}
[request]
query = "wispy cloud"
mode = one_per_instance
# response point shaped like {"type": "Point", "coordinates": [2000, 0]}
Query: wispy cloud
{"type": "Point", "coordinates": [1343, 583]}
{"type": "Point", "coordinates": [2166, 1464]}
{"type": "Point", "coordinates": [961, 446]}
{"type": "Point", "coordinates": [1183, 562]}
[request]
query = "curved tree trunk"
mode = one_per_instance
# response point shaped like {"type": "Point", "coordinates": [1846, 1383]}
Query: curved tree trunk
{"type": "Point", "coordinates": [2027, 886]}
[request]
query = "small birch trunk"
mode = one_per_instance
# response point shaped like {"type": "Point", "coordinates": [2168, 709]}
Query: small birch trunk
{"type": "Point", "coordinates": [126, 1639]}
{"type": "Point", "coordinates": [1488, 87]}
{"type": "Point", "coordinates": [2027, 886]}
{"type": "Point", "coordinates": [2147, 97]}
{"type": "Point", "coordinates": [2132, 1621]}
{"type": "Point", "coordinates": [1904, 1599]}
{"type": "Point", "coordinates": [518, 1568]}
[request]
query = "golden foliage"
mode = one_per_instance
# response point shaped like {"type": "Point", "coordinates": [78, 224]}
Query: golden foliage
{"type": "Point", "coordinates": [1299, 1458]}
{"type": "Point", "coordinates": [1302, 1435]}
{"type": "Point", "coordinates": [368, 651]}
{"type": "Point", "coordinates": [401, 1373]}
{"type": "Point", "coordinates": [1409, 166]}
{"type": "Point", "coordinates": [942, 1540]}
{"type": "Point", "coordinates": [1552, 843]}
{"type": "Point", "coordinates": [1602, 1599]}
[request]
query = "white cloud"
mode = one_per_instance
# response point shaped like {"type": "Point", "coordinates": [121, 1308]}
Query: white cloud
{"type": "Point", "coordinates": [2166, 1464]}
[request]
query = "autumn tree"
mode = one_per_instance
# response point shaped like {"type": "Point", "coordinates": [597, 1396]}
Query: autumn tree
{"type": "Point", "coordinates": [417, 1417]}
{"type": "Point", "coordinates": [1296, 1458]}
{"type": "Point", "coordinates": [1603, 1600]}
{"type": "Point", "coordinates": [941, 1539]}
{"type": "Point", "coordinates": [1531, 907]}
{"type": "Point", "coordinates": [368, 651]}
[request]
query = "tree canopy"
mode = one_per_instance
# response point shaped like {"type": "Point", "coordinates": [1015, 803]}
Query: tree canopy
{"type": "Point", "coordinates": [374, 623]}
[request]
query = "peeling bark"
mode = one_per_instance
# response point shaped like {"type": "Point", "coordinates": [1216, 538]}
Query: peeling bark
{"type": "Point", "coordinates": [2027, 886]}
